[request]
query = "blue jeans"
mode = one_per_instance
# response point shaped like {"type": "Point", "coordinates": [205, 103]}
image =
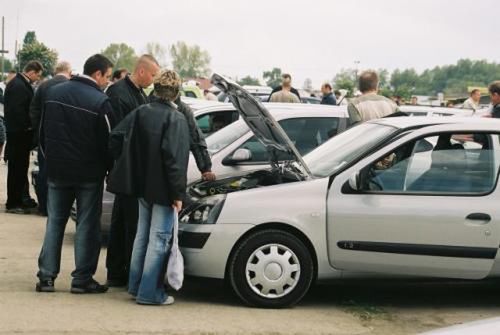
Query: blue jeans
{"type": "Point", "coordinates": [61, 196]}
{"type": "Point", "coordinates": [149, 257]}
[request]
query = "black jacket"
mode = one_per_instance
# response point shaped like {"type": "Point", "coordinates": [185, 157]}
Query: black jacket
{"type": "Point", "coordinates": [197, 145]}
{"type": "Point", "coordinates": [125, 97]}
{"type": "Point", "coordinates": [38, 101]}
{"type": "Point", "coordinates": [279, 88]}
{"type": "Point", "coordinates": [17, 100]}
{"type": "Point", "coordinates": [76, 121]}
{"type": "Point", "coordinates": [151, 151]}
{"type": "Point", "coordinates": [329, 99]}
{"type": "Point", "coordinates": [495, 112]}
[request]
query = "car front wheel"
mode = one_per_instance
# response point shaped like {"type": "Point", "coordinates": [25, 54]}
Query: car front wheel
{"type": "Point", "coordinates": [272, 269]}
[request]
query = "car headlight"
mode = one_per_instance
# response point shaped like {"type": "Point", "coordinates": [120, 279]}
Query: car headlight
{"type": "Point", "coordinates": [204, 211]}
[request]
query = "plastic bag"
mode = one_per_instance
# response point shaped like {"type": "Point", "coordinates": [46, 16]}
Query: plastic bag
{"type": "Point", "coordinates": [175, 269]}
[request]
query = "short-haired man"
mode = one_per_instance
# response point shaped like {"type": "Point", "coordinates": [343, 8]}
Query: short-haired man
{"type": "Point", "coordinates": [473, 101]}
{"type": "Point", "coordinates": [126, 95]}
{"type": "Point", "coordinates": [286, 94]}
{"type": "Point", "coordinates": [414, 101]}
{"type": "Point", "coordinates": [18, 96]}
{"type": "Point", "coordinates": [328, 97]}
{"type": "Point", "coordinates": [286, 81]}
{"type": "Point", "coordinates": [62, 73]}
{"type": "Point", "coordinates": [155, 174]}
{"type": "Point", "coordinates": [494, 89]}
{"type": "Point", "coordinates": [76, 124]}
{"type": "Point", "coordinates": [369, 105]}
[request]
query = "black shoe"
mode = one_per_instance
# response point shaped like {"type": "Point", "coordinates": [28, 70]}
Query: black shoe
{"type": "Point", "coordinates": [17, 210]}
{"type": "Point", "coordinates": [30, 203]}
{"type": "Point", "coordinates": [116, 283]}
{"type": "Point", "coordinates": [45, 286]}
{"type": "Point", "coordinates": [91, 287]}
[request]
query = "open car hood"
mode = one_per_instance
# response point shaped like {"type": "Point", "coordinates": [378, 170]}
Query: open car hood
{"type": "Point", "coordinates": [259, 120]}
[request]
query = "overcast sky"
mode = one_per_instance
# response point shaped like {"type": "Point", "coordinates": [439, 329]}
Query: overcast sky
{"type": "Point", "coordinates": [314, 38]}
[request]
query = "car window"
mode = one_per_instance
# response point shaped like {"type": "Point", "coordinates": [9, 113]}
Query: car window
{"type": "Point", "coordinates": [210, 123]}
{"type": "Point", "coordinates": [305, 133]}
{"type": "Point", "coordinates": [221, 139]}
{"type": "Point", "coordinates": [446, 163]}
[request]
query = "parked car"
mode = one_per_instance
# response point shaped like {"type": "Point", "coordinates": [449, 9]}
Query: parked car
{"type": "Point", "coordinates": [440, 111]}
{"type": "Point", "coordinates": [394, 196]}
{"type": "Point", "coordinates": [236, 148]}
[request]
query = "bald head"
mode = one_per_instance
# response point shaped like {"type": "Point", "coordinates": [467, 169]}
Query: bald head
{"type": "Point", "coordinates": [63, 68]}
{"type": "Point", "coordinates": [145, 70]}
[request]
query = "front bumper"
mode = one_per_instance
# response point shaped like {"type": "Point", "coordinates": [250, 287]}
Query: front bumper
{"type": "Point", "coordinates": [206, 248]}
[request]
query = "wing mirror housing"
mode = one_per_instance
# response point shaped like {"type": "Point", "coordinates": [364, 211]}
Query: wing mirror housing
{"type": "Point", "coordinates": [352, 184]}
{"type": "Point", "coordinates": [239, 156]}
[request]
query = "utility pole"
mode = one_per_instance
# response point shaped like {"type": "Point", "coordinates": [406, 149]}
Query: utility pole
{"type": "Point", "coordinates": [3, 51]}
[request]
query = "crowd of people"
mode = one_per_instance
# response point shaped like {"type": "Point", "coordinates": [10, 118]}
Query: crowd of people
{"type": "Point", "coordinates": [90, 134]}
{"type": "Point", "coordinates": [100, 129]}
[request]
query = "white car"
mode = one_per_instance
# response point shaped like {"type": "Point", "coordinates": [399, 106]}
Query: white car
{"type": "Point", "coordinates": [361, 204]}
{"type": "Point", "coordinates": [235, 149]}
{"type": "Point", "coordinates": [441, 111]}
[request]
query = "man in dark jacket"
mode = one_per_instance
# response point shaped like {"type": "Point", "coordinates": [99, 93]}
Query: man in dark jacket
{"type": "Point", "coordinates": [286, 78]}
{"type": "Point", "coordinates": [126, 95]}
{"type": "Point", "coordinates": [328, 97]}
{"type": "Point", "coordinates": [62, 74]}
{"type": "Point", "coordinates": [18, 96]}
{"type": "Point", "coordinates": [151, 147]}
{"type": "Point", "coordinates": [76, 123]}
{"type": "Point", "coordinates": [494, 89]}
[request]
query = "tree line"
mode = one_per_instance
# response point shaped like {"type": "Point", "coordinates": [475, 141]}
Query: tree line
{"type": "Point", "coordinates": [190, 61]}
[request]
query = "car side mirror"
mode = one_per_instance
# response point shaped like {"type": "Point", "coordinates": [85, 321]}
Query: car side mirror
{"type": "Point", "coordinates": [239, 156]}
{"type": "Point", "coordinates": [354, 181]}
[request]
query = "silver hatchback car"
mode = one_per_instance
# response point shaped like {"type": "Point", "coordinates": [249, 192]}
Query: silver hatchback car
{"type": "Point", "coordinates": [396, 196]}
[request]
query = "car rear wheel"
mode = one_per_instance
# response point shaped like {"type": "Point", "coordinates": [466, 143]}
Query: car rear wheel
{"type": "Point", "coordinates": [272, 269]}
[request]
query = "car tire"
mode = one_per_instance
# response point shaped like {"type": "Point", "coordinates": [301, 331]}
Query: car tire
{"type": "Point", "coordinates": [271, 269]}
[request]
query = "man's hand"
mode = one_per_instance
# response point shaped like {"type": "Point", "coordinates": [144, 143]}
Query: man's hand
{"type": "Point", "coordinates": [208, 176]}
{"type": "Point", "coordinates": [177, 205]}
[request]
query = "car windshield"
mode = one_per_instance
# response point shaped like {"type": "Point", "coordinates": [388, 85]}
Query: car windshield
{"type": "Point", "coordinates": [345, 147]}
{"type": "Point", "coordinates": [227, 135]}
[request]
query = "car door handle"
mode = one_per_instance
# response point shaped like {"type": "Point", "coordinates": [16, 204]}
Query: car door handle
{"type": "Point", "coordinates": [479, 217]}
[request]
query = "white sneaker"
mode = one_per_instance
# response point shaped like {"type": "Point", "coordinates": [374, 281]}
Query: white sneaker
{"type": "Point", "coordinates": [170, 301]}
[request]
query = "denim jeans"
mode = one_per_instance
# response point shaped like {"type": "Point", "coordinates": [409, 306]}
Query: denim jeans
{"type": "Point", "coordinates": [61, 197]}
{"type": "Point", "coordinates": [149, 257]}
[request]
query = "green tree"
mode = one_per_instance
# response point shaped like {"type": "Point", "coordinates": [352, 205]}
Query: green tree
{"type": "Point", "coordinates": [122, 56]}
{"type": "Point", "coordinates": [404, 82]}
{"type": "Point", "coordinates": [158, 52]}
{"type": "Point", "coordinates": [273, 77]}
{"type": "Point", "coordinates": [190, 61]}
{"type": "Point", "coordinates": [345, 80]}
{"type": "Point", "coordinates": [248, 80]}
{"type": "Point", "coordinates": [35, 50]}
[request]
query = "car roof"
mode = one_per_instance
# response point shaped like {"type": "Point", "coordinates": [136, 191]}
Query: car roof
{"type": "Point", "coordinates": [404, 122]}
{"type": "Point", "coordinates": [284, 110]}
{"type": "Point", "coordinates": [440, 110]}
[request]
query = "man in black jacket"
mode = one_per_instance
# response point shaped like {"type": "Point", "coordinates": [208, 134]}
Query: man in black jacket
{"type": "Point", "coordinates": [76, 123]}
{"type": "Point", "coordinates": [62, 74]}
{"type": "Point", "coordinates": [18, 96]}
{"type": "Point", "coordinates": [126, 95]}
{"type": "Point", "coordinates": [494, 89]}
{"type": "Point", "coordinates": [285, 78]}
{"type": "Point", "coordinates": [151, 147]}
{"type": "Point", "coordinates": [328, 97]}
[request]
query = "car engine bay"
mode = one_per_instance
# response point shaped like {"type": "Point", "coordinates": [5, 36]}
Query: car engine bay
{"type": "Point", "coordinates": [280, 175]}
